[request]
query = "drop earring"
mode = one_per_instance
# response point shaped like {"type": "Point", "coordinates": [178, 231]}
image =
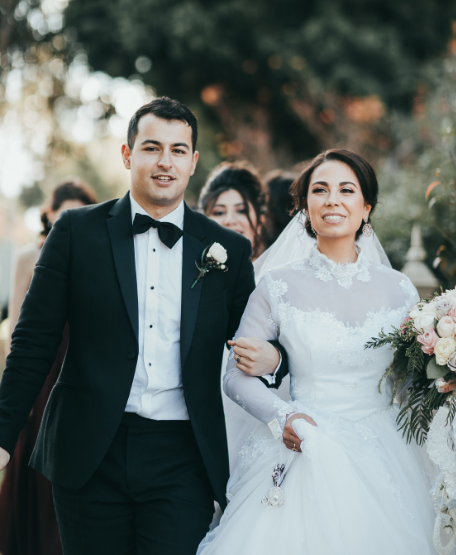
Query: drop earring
{"type": "Point", "coordinates": [311, 226]}
{"type": "Point", "coordinates": [367, 228]}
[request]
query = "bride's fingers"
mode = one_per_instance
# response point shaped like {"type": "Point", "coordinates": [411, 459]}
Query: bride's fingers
{"type": "Point", "coordinates": [246, 353]}
{"type": "Point", "coordinates": [290, 438]}
{"type": "Point", "coordinates": [293, 446]}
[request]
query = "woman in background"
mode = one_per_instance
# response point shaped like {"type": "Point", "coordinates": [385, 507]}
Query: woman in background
{"type": "Point", "coordinates": [279, 205]}
{"type": "Point", "coordinates": [28, 523]}
{"type": "Point", "coordinates": [233, 196]}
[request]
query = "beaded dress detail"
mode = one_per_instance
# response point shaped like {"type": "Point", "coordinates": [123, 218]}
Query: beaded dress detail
{"type": "Point", "coordinates": [357, 488]}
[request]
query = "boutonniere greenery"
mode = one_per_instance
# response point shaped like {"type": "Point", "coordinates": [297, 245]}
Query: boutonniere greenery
{"type": "Point", "coordinates": [213, 258]}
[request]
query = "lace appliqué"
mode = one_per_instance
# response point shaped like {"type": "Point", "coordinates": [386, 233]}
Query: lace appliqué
{"type": "Point", "coordinates": [272, 322]}
{"type": "Point", "coordinates": [284, 410]}
{"type": "Point", "coordinates": [439, 448]}
{"type": "Point", "coordinates": [277, 288]}
{"type": "Point", "coordinates": [254, 447]}
{"type": "Point", "coordinates": [286, 313]}
{"type": "Point", "coordinates": [295, 391]}
{"type": "Point", "coordinates": [240, 402]}
{"type": "Point", "coordinates": [352, 385]}
{"type": "Point", "coordinates": [326, 269]}
{"type": "Point", "coordinates": [410, 292]}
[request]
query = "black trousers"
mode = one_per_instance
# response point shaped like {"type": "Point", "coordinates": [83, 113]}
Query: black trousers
{"type": "Point", "coordinates": [150, 495]}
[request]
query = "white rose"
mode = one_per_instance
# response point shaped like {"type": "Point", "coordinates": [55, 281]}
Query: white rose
{"type": "Point", "coordinates": [416, 310]}
{"type": "Point", "coordinates": [429, 308]}
{"type": "Point", "coordinates": [424, 322]}
{"type": "Point", "coordinates": [443, 349]}
{"type": "Point", "coordinates": [218, 253]}
{"type": "Point", "coordinates": [446, 327]}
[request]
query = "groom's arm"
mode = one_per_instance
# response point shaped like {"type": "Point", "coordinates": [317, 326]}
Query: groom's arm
{"type": "Point", "coordinates": [259, 358]}
{"type": "Point", "coordinates": [37, 335]}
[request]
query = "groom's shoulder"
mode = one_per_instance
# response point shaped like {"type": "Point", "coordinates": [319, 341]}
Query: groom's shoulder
{"type": "Point", "coordinates": [93, 212]}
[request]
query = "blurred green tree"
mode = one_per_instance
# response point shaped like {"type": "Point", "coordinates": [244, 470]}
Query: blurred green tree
{"type": "Point", "coordinates": [418, 180]}
{"type": "Point", "coordinates": [278, 79]}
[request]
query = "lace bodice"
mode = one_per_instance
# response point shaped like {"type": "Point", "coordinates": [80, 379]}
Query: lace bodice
{"type": "Point", "coordinates": [323, 313]}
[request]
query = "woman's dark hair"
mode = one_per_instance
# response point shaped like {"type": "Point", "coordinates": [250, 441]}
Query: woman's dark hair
{"type": "Point", "coordinates": [70, 189]}
{"type": "Point", "coordinates": [279, 205]}
{"type": "Point", "coordinates": [241, 177]}
{"type": "Point", "coordinates": [163, 108]}
{"type": "Point", "coordinates": [360, 167]}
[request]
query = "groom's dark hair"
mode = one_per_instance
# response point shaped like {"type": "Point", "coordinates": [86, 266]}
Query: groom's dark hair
{"type": "Point", "coordinates": [163, 108]}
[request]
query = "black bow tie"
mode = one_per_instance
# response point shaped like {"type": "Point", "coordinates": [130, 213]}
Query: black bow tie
{"type": "Point", "coordinates": [169, 233]}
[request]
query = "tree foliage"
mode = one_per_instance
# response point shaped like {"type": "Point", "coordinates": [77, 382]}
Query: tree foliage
{"type": "Point", "coordinates": [285, 67]}
{"type": "Point", "coordinates": [418, 180]}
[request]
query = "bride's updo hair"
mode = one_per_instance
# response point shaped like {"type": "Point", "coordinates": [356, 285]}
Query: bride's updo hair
{"type": "Point", "coordinates": [360, 167]}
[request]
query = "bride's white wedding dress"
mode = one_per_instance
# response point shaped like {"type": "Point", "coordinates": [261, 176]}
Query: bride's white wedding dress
{"type": "Point", "coordinates": [357, 488]}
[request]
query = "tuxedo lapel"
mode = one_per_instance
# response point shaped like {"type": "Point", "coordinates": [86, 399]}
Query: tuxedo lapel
{"type": "Point", "coordinates": [123, 250]}
{"type": "Point", "coordinates": [192, 249]}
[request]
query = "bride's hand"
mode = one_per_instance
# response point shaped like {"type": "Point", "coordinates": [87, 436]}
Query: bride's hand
{"type": "Point", "coordinates": [290, 438]}
{"type": "Point", "coordinates": [449, 386]}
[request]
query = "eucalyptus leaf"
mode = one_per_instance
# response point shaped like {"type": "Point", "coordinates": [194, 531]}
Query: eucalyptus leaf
{"type": "Point", "coordinates": [434, 371]}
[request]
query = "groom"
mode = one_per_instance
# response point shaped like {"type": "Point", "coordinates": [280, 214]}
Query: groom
{"type": "Point", "coordinates": [133, 436]}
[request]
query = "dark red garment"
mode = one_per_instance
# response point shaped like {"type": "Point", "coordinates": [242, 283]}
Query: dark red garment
{"type": "Point", "coordinates": [28, 524]}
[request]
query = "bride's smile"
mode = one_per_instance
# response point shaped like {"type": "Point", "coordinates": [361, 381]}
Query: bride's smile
{"type": "Point", "coordinates": [336, 204]}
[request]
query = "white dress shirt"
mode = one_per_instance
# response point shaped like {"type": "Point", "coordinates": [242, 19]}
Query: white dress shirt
{"type": "Point", "coordinates": [157, 390]}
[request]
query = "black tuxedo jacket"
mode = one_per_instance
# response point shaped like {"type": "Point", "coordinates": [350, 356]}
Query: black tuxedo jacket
{"type": "Point", "coordinates": [86, 276]}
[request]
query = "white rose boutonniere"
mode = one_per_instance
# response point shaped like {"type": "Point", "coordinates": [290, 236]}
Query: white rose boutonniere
{"type": "Point", "coordinates": [218, 253]}
{"type": "Point", "coordinates": [213, 258]}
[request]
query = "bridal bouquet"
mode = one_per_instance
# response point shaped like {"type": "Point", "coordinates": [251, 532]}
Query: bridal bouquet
{"type": "Point", "coordinates": [424, 359]}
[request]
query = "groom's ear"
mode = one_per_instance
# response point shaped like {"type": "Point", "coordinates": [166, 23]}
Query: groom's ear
{"type": "Point", "coordinates": [194, 162]}
{"type": "Point", "coordinates": [126, 153]}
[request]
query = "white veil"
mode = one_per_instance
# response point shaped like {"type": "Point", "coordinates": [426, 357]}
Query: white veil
{"type": "Point", "coordinates": [295, 243]}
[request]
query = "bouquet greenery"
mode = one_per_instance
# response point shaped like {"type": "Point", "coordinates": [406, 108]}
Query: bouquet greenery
{"type": "Point", "coordinates": [424, 360]}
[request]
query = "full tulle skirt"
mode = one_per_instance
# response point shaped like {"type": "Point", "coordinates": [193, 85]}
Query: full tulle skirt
{"type": "Point", "coordinates": [356, 489]}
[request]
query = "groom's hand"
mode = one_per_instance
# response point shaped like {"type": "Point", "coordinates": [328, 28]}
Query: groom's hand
{"type": "Point", "coordinates": [4, 458]}
{"type": "Point", "coordinates": [257, 356]}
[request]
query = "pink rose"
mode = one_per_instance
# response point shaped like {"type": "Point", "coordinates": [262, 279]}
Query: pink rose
{"type": "Point", "coordinates": [452, 313]}
{"type": "Point", "coordinates": [428, 340]}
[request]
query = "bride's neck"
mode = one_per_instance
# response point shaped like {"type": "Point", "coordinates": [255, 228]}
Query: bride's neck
{"type": "Point", "coordinates": [340, 250]}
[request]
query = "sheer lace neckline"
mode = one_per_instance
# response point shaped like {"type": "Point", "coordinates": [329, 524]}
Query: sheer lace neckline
{"type": "Point", "coordinates": [326, 269]}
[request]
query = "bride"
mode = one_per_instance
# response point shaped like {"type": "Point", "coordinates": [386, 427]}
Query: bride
{"type": "Point", "coordinates": [352, 485]}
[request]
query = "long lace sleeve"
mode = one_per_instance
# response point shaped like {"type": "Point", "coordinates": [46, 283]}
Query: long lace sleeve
{"type": "Point", "coordinates": [259, 320]}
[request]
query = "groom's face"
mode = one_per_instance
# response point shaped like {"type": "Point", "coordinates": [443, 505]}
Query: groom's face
{"type": "Point", "coordinates": [161, 162]}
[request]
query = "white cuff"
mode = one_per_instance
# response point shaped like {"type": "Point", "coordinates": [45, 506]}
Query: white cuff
{"type": "Point", "coordinates": [275, 428]}
{"type": "Point", "coordinates": [271, 378]}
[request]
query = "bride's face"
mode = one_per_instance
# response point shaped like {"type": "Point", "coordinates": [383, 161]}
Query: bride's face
{"type": "Point", "coordinates": [335, 201]}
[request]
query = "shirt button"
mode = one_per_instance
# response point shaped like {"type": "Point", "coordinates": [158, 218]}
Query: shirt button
{"type": "Point", "coordinates": [150, 364]}
{"type": "Point", "coordinates": [153, 250]}
{"type": "Point", "coordinates": [131, 355]}
{"type": "Point", "coordinates": [151, 326]}
{"type": "Point", "coordinates": [152, 287]}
